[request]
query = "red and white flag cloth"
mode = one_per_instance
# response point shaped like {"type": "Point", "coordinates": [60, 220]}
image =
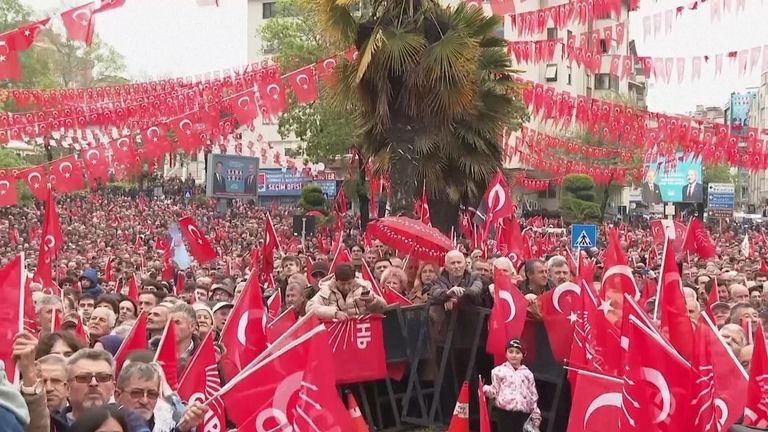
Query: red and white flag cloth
{"type": "Point", "coordinates": [7, 190]}
{"type": "Point", "coordinates": [303, 85]}
{"type": "Point", "coordinates": [697, 240]}
{"type": "Point", "coordinates": [358, 349]}
{"type": "Point", "coordinates": [244, 333]}
{"type": "Point", "coordinates": [166, 355]}
{"type": "Point", "coordinates": [559, 310]}
{"type": "Point", "coordinates": [79, 22]}
{"type": "Point", "coordinates": [26, 34]}
{"type": "Point", "coordinates": [65, 174]}
{"type": "Point", "coordinates": [596, 403]}
{"type": "Point", "coordinates": [136, 340]}
{"type": "Point", "coordinates": [663, 228]}
{"type": "Point", "coordinates": [657, 386]}
{"type": "Point", "coordinates": [281, 324]}
{"type": "Point", "coordinates": [96, 165]}
{"type": "Point", "coordinates": [671, 308]}
{"type": "Point", "coordinates": [485, 419]}
{"type": "Point", "coordinates": [496, 204]}
{"type": "Point", "coordinates": [295, 386]}
{"type": "Point", "coordinates": [756, 409]}
{"type": "Point", "coordinates": [35, 178]}
{"type": "Point", "coordinates": [199, 246]}
{"type": "Point", "coordinates": [132, 291]}
{"type": "Point", "coordinates": [9, 60]}
{"type": "Point", "coordinates": [274, 304]}
{"type": "Point", "coordinates": [12, 319]}
{"type": "Point", "coordinates": [617, 279]}
{"type": "Point", "coordinates": [200, 381]}
{"type": "Point", "coordinates": [596, 342]}
{"type": "Point", "coordinates": [50, 242]}
{"type": "Point", "coordinates": [271, 244]}
{"type": "Point", "coordinates": [367, 275]}
{"type": "Point", "coordinates": [507, 315]}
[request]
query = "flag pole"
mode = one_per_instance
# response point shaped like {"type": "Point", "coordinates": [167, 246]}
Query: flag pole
{"type": "Point", "coordinates": [661, 277]}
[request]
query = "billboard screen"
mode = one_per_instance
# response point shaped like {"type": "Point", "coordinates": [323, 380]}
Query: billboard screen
{"type": "Point", "coordinates": [739, 117]}
{"type": "Point", "coordinates": [231, 176]}
{"type": "Point", "coordinates": [278, 182]}
{"type": "Point", "coordinates": [679, 180]}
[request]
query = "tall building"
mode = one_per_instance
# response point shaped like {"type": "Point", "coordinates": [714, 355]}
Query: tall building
{"type": "Point", "coordinates": [566, 75]}
{"type": "Point", "coordinates": [758, 118]}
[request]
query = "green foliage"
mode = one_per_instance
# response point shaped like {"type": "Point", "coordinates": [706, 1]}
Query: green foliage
{"type": "Point", "coordinates": [312, 198]}
{"type": "Point", "coordinates": [719, 173]}
{"type": "Point", "coordinates": [9, 159]}
{"type": "Point", "coordinates": [295, 37]}
{"type": "Point", "coordinates": [430, 92]}
{"type": "Point", "coordinates": [578, 199]}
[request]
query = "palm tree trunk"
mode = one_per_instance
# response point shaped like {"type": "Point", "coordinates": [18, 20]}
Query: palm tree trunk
{"type": "Point", "coordinates": [403, 165]}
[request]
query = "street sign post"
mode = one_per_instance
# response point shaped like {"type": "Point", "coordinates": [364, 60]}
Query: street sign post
{"type": "Point", "coordinates": [583, 236]}
{"type": "Point", "coordinates": [721, 198]}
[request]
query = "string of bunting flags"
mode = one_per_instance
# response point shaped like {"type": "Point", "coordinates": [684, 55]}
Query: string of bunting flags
{"type": "Point", "coordinates": [662, 22]}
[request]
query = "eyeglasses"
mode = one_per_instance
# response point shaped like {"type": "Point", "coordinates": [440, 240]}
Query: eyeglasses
{"type": "Point", "coordinates": [101, 378]}
{"type": "Point", "coordinates": [137, 394]}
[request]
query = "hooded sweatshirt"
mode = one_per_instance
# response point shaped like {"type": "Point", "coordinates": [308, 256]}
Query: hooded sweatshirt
{"type": "Point", "coordinates": [95, 290]}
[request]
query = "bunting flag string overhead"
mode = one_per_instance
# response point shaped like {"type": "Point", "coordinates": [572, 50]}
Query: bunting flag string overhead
{"type": "Point", "coordinates": [579, 11]}
{"type": "Point", "coordinates": [663, 21]}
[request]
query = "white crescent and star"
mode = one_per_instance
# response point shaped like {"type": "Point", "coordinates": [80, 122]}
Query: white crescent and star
{"type": "Point", "coordinates": [196, 234]}
{"type": "Point", "coordinates": [88, 155]}
{"type": "Point", "coordinates": [4, 186]}
{"type": "Point", "coordinates": [65, 173]}
{"type": "Point", "coordinates": [242, 324]}
{"type": "Point", "coordinates": [299, 79]}
{"type": "Point", "coordinates": [497, 195]}
{"type": "Point", "coordinates": [155, 136]}
{"type": "Point", "coordinates": [622, 270]}
{"type": "Point", "coordinates": [560, 290]}
{"type": "Point", "coordinates": [719, 403]}
{"type": "Point", "coordinates": [507, 297]}
{"type": "Point", "coordinates": [32, 175]}
{"type": "Point", "coordinates": [604, 400]}
{"type": "Point", "coordinates": [655, 377]}
{"type": "Point", "coordinates": [329, 64]}
{"type": "Point", "coordinates": [269, 90]}
{"type": "Point", "coordinates": [187, 130]}
{"type": "Point", "coordinates": [247, 102]}
{"type": "Point", "coordinates": [85, 20]}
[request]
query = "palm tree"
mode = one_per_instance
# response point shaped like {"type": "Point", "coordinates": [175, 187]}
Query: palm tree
{"type": "Point", "coordinates": [430, 93]}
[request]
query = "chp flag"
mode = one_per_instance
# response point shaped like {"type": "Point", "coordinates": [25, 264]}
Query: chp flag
{"type": "Point", "coordinates": [357, 346]}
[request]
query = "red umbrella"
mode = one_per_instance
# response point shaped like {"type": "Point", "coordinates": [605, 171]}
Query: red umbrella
{"type": "Point", "coordinates": [313, 213]}
{"type": "Point", "coordinates": [411, 237]}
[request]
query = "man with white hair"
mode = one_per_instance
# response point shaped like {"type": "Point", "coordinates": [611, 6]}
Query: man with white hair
{"type": "Point", "coordinates": [101, 323]}
{"type": "Point", "coordinates": [559, 272]}
{"type": "Point", "coordinates": [455, 283]}
{"type": "Point", "coordinates": [45, 307]}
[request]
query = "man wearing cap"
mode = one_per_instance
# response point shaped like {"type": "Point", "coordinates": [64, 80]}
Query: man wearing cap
{"type": "Point", "coordinates": [220, 314]}
{"type": "Point", "coordinates": [342, 296]}
{"type": "Point", "coordinates": [722, 313]}
{"type": "Point", "coordinates": [221, 293]}
{"type": "Point", "coordinates": [318, 271]}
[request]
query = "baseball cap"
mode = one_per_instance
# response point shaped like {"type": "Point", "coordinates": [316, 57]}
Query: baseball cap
{"type": "Point", "coordinates": [222, 305]}
{"type": "Point", "coordinates": [319, 267]}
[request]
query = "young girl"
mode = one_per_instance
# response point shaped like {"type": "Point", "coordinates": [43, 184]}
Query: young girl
{"type": "Point", "coordinates": [513, 391]}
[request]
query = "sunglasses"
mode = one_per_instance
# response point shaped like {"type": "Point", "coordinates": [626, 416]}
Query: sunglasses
{"type": "Point", "coordinates": [101, 378]}
{"type": "Point", "coordinates": [137, 394]}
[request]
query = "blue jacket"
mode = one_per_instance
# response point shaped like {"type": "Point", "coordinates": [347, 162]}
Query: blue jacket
{"type": "Point", "coordinates": [95, 290]}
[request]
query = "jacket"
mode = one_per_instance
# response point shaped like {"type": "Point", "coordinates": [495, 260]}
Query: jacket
{"type": "Point", "coordinates": [95, 290]}
{"type": "Point", "coordinates": [471, 283]}
{"type": "Point", "coordinates": [467, 320]}
{"type": "Point", "coordinates": [329, 300]}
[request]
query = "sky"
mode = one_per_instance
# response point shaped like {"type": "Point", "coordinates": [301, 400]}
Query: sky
{"type": "Point", "coordinates": [168, 37]}
{"type": "Point", "coordinates": [179, 38]}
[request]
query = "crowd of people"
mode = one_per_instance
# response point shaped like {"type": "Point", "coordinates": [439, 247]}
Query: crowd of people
{"type": "Point", "coordinates": [71, 384]}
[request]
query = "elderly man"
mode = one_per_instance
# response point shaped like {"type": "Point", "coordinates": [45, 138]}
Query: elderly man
{"type": "Point", "coordinates": [733, 336]}
{"type": "Point", "coordinates": [52, 373]}
{"type": "Point", "coordinates": [138, 389]}
{"type": "Point", "coordinates": [739, 293]}
{"type": "Point", "coordinates": [101, 323]}
{"type": "Point", "coordinates": [90, 374]}
{"type": "Point", "coordinates": [342, 296]}
{"type": "Point", "coordinates": [558, 269]}
{"type": "Point", "coordinates": [184, 319]}
{"type": "Point", "coordinates": [455, 283]}
{"type": "Point", "coordinates": [722, 313]}
{"type": "Point", "coordinates": [295, 298]}
{"type": "Point", "coordinates": [44, 309]}
{"type": "Point", "coordinates": [536, 278]}
{"type": "Point", "coordinates": [221, 312]}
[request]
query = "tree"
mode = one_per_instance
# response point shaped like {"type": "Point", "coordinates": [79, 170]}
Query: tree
{"type": "Point", "coordinates": [718, 173]}
{"type": "Point", "coordinates": [9, 159]}
{"type": "Point", "coordinates": [578, 199]}
{"type": "Point", "coordinates": [430, 93]}
{"type": "Point", "coordinates": [313, 198]}
{"type": "Point", "coordinates": [294, 37]}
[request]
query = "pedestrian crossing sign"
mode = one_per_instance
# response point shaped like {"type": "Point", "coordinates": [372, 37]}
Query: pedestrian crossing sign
{"type": "Point", "coordinates": [583, 236]}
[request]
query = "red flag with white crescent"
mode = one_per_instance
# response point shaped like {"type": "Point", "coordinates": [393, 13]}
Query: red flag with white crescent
{"type": "Point", "coordinates": [65, 174]}
{"type": "Point", "coordinates": [198, 245]}
{"type": "Point", "coordinates": [79, 22]}
{"type": "Point", "coordinates": [507, 315]}
{"type": "Point", "coordinates": [11, 320]}
{"type": "Point", "coordinates": [303, 84]}
{"type": "Point", "coordinates": [244, 332]}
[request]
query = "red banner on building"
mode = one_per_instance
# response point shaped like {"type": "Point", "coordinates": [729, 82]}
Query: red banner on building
{"type": "Point", "coordinates": [358, 349]}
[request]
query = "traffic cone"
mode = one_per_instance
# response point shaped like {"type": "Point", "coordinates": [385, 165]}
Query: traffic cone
{"type": "Point", "coordinates": [354, 411]}
{"type": "Point", "coordinates": [460, 419]}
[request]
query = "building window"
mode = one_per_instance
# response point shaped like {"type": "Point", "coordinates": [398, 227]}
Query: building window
{"type": "Point", "coordinates": [605, 81]}
{"type": "Point", "coordinates": [570, 74]}
{"type": "Point", "coordinates": [549, 193]}
{"type": "Point", "coordinates": [603, 46]}
{"type": "Point", "coordinates": [552, 32]}
{"type": "Point", "coordinates": [551, 73]}
{"type": "Point", "coordinates": [269, 10]}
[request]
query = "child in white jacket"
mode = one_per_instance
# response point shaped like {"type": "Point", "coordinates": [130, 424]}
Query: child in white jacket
{"type": "Point", "coordinates": [513, 391]}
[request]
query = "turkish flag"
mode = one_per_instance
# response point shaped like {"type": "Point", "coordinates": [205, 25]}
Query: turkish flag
{"type": "Point", "coordinates": [295, 387]}
{"type": "Point", "coordinates": [671, 307]}
{"type": "Point", "coordinates": [596, 342]}
{"type": "Point", "coordinates": [178, 284]}
{"type": "Point", "coordinates": [358, 349]}
{"type": "Point", "coordinates": [65, 174]}
{"type": "Point", "coordinates": [303, 84]}
{"type": "Point", "coordinates": [325, 68]}
{"type": "Point", "coordinates": [35, 177]}
{"type": "Point", "coordinates": [7, 190]}
{"type": "Point", "coordinates": [244, 107]}
{"type": "Point", "coordinates": [496, 204]}
{"type": "Point", "coordinates": [109, 5]}
{"type": "Point", "coordinates": [697, 240]}
{"type": "Point", "coordinates": [559, 311]}
{"type": "Point", "coordinates": [199, 246]}
{"type": "Point", "coordinates": [756, 409]}
{"type": "Point", "coordinates": [507, 317]}
{"type": "Point", "coordinates": [11, 322]}
{"type": "Point", "coordinates": [132, 292]}
{"type": "Point", "coordinates": [596, 403]}
{"type": "Point", "coordinates": [662, 228]}
{"type": "Point", "coordinates": [423, 208]}
{"type": "Point", "coordinates": [244, 333]}
{"type": "Point", "coordinates": [281, 324]}
{"type": "Point", "coordinates": [657, 384]}
{"type": "Point", "coordinates": [272, 95]}
{"type": "Point", "coordinates": [96, 166]}
{"type": "Point", "coordinates": [270, 245]}
{"type": "Point", "coordinates": [200, 381]}
{"type": "Point", "coordinates": [722, 388]}
{"type": "Point", "coordinates": [136, 340]}
{"type": "Point", "coordinates": [50, 242]}
{"type": "Point", "coordinates": [502, 7]}
{"type": "Point", "coordinates": [26, 34]}
{"type": "Point", "coordinates": [511, 241]}
{"type": "Point", "coordinates": [9, 60]}
{"type": "Point", "coordinates": [79, 22]}
{"type": "Point", "coordinates": [166, 355]}
{"type": "Point", "coordinates": [617, 278]}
